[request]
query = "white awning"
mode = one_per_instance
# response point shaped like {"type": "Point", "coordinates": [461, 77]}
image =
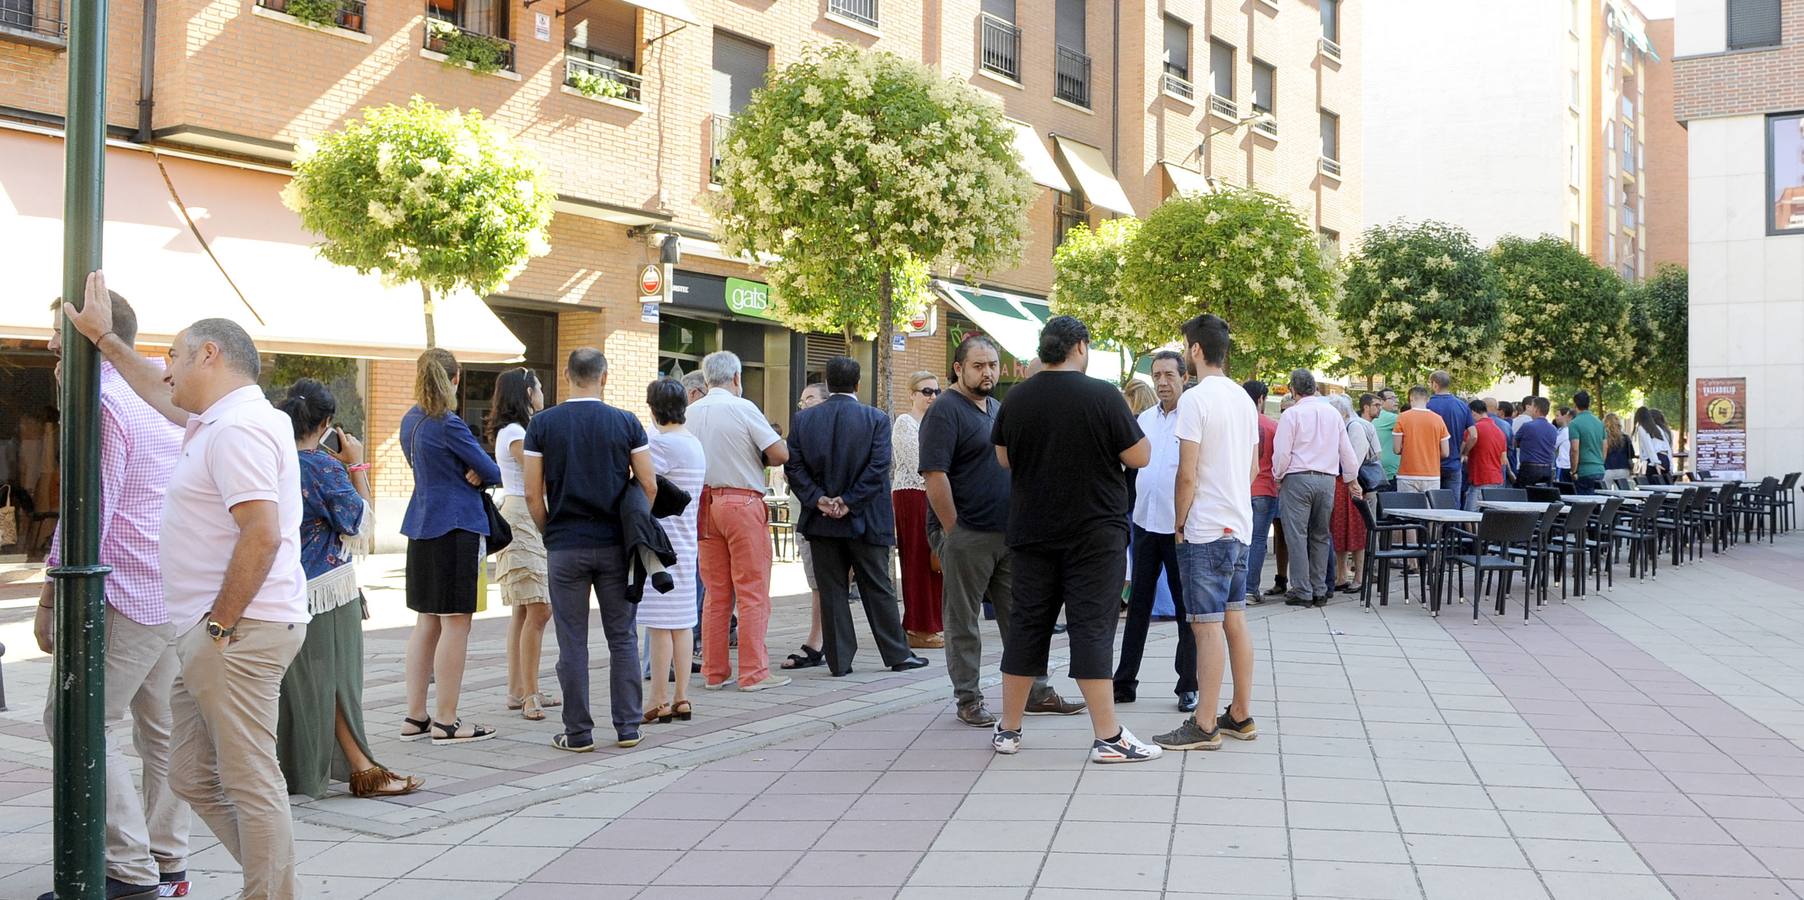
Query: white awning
{"type": "Point", "coordinates": [675, 9]}
{"type": "Point", "coordinates": [262, 273]}
{"type": "Point", "coordinates": [1036, 159]}
{"type": "Point", "coordinates": [1187, 181]}
{"type": "Point", "coordinates": [1090, 169]}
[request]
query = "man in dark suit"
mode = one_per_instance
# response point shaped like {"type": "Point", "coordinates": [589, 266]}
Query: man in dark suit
{"type": "Point", "coordinates": [839, 459]}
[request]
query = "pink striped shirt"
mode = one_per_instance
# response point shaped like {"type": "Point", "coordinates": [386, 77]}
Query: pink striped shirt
{"type": "Point", "coordinates": [138, 451]}
{"type": "Point", "coordinates": [1312, 438]}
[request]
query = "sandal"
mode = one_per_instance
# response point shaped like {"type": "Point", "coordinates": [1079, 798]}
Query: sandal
{"type": "Point", "coordinates": [532, 709]}
{"type": "Point", "coordinates": [807, 659]}
{"type": "Point", "coordinates": [419, 728]}
{"type": "Point", "coordinates": [681, 711]}
{"type": "Point", "coordinates": [546, 701]}
{"type": "Point", "coordinates": [374, 781]}
{"type": "Point", "coordinates": [659, 714]}
{"type": "Point", "coordinates": [459, 733]}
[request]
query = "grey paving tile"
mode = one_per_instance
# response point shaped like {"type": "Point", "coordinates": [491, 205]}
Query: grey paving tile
{"type": "Point", "coordinates": [910, 807]}
{"type": "Point", "coordinates": [1104, 808]}
{"type": "Point", "coordinates": [1212, 811]}
{"type": "Point", "coordinates": [1242, 841]}
{"type": "Point", "coordinates": [1450, 883]}
{"type": "Point", "coordinates": [616, 867]}
{"type": "Point", "coordinates": [850, 835]}
{"type": "Point", "coordinates": [838, 868]}
{"type": "Point", "coordinates": [1697, 887]}
{"type": "Point", "coordinates": [1124, 871]}
{"type": "Point", "coordinates": [492, 863]}
{"type": "Point", "coordinates": [1573, 826]}
{"type": "Point", "coordinates": [1465, 850]}
{"type": "Point", "coordinates": [1443, 820]}
{"type": "Point", "coordinates": [1610, 857]}
{"type": "Point", "coordinates": [1696, 859]}
{"type": "Point", "coordinates": [1349, 846]}
{"type": "Point", "coordinates": [1597, 886]}
{"type": "Point", "coordinates": [1409, 793]}
{"type": "Point", "coordinates": [1251, 877]}
{"type": "Point", "coordinates": [1355, 880]}
{"type": "Point", "coordinates": [1341, 816]}
{"type": "Point", "coordinates": [730, 868]}
{"type": "Point", "coordinates": [976, 869]}
{"type": "Point", "coordinates": [745, 835]}
{"type": "Point", "coordinates": [973, 836]}
{"type": "Point", "coordinates": [1335, 790]}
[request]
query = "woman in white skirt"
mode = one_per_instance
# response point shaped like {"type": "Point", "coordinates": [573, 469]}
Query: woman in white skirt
{"type": "Point", "coordinates": [520, 566]}
{"type": "Point", "coordinates": [669, 618]}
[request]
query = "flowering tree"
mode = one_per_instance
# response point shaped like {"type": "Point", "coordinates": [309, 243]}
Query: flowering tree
{"type": "Point", "coordinates": [1086, 283]}
{"type": "Point", "coordinates": [859, 170]}
{"type": "Point", "coordinates": [1420, 297]}
{"type": "Point", "coordinates": [1244, 255]}
{"type": "Point", "coordinates": [1565, 318]}
{"type": "Point", "coordinates": [441, 198]}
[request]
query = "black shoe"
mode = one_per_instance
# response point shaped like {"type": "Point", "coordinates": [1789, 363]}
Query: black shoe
{"type": "Point", "coordinates": [1320, 602]}
{"type": "Point", "coordinates": [118, 890]}
{"type": "Point", "coordinates": [1278, 590]}
{"type": "Point", "coordinates": [913, 662]}
{"type": "Point", "coordinates": [1295, 601]}
{"type": "Point", "coordinates": [843, 674]}
{"type": "Point", "coordinates": [1124, 697]}
{"type": "Point", "coordinates": [1187, 701]}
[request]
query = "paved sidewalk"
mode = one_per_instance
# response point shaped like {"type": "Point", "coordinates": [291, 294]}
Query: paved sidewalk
{"type": "Point", "coordinates": [1641, 743]}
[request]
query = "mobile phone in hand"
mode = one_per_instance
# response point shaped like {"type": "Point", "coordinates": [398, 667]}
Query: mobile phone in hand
{"type": "Point", "coordinates": [331, 443]}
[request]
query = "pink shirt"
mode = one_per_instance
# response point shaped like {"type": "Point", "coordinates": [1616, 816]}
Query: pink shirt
{"type": "Point", "coordinates": [240, 449]}
{"type": "Point", "coordinates": [1312, 438]}
{"type": "Point", "coordinates": [138, 450]}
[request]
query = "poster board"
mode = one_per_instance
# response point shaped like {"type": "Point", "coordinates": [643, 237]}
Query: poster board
{"type": "Point", "coordinates": [1722, 427]}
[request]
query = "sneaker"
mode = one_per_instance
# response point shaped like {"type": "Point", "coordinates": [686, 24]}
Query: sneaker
{"type": "Point", "coordinates": [720, 686]}
{"type": "Point", "coordinates": [1243, 730]}
{"type": "Point", "coordinates": [1051, 704]}
{"type": "Point", "coordinates": [1255, 598]}
{"type": "Point", "coordinates": [1189, 736]}
{"type": "Point", "coordinates": [1007, 743]}
{"type": "Point", "coordinates": [1125, 748]}
{"type": "Point", "coordinates": [173, 884]}
{"type": "Point", "coordinates": [774, 681]}
{"type": "Point", "coordinates": [976, 715]}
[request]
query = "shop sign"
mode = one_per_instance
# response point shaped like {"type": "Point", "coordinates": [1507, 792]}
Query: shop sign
{"type": "Point", "coordinates": [651, 281]}
{"type": "Point", "coordinates": [898, 342]}
{"type": "Point", "coordinates": [749, 298]}
{"type": "Point", "coordinates": [1722, 427]}
{"type": "Point", "coordinates": [648, 313]}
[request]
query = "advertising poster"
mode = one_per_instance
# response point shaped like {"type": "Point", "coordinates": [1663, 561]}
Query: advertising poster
{"type": "Point", "coordinates": [1722, 427]}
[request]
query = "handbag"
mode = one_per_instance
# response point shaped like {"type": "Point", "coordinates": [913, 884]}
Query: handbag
{"type": "Point", "coordinates": [500, 533]}
{"type": "Point", "coordinates": [9, 517]}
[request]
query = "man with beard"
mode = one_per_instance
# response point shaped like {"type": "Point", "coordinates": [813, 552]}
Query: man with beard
{"type": "Point", "coordinates": [968, 500]}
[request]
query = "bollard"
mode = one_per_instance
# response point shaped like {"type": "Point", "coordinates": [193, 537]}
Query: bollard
{"type": "Point", "coordinates": [2, 679]}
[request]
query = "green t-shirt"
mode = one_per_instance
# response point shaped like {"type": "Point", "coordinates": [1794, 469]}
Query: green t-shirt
{"type": "Point", "coordinates": [1588, 430]}
{"type": "Point", "coordinates": [1386, 426]}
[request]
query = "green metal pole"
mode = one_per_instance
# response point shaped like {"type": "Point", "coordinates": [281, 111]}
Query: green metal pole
{"type": "Point", "coordinates": [79, 793]}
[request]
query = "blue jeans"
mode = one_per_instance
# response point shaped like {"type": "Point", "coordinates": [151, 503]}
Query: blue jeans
{"type": "Point", "coordinates": [1215, 578]}
{"type": "Point", "coordinates": [1589, 484]}
{"type": "Point", "coordinates": [1453, 479]}
{"type": "Point", "coordinates": [1265, 510]}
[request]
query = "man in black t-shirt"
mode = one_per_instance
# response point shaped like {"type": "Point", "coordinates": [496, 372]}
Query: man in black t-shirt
{"type": "Point", "coordinates": [967, 512]}
{"type": "Point", "coordinates": [582, 455]}
{"type": "Point", "coordinates": [1065, 438]}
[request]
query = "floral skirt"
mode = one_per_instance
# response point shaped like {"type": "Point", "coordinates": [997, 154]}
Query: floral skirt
{"type": "Point", "coordinates": [520, 566]}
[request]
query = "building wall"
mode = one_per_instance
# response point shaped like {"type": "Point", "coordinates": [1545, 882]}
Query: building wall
{"type": "Point", "coordinates": [1665, 170]}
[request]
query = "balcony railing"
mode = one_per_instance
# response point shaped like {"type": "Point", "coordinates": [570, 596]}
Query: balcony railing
{"type": "Point", "coordinates": [864, 12]}
{"type": "Point", "coordinates": [1224, 107]}
{"type": "Point", "coordinates": [1177, 85]}
{"type": "Point", "coordinates": [1266, 124]}
{"type": "Point", "coordinates": [1001, 47]}
{"type": "Point", "coordinates": [718, 126]}
{"type": "Point", "coordinates": [346, 14]}
{"type": "Point", "coordinates": [1330, 167]}
{"type": "Point", "coordinates": [1628, 110]}
{"type": "Point", "coordinates": [34, 22]}
{"type": "Point", "coordinates": [483, 52]}
{"type": "Point", "coordinates": [1071, 77]}
{"type": "Point", "coordinates": [1330, 49]}
{"type": "Point", "coordinates": [1629, 219]}
{"type": "Point", "coordinates": [598, 75]}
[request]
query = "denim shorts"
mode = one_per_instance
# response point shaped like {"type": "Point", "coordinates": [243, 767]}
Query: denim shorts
{"type": "Point", "coordinates": [1215, 578]}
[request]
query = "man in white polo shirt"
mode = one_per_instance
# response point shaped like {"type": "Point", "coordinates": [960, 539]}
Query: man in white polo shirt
{"type": "Point", "coordinates": [240, 615]}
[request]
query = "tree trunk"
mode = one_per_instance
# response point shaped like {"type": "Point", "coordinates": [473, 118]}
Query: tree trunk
{"type": "Point", "coordinates": [1535, 380]}
{"type": "Point", "coordinates": [426, 304]}
{"type": "Point", "coordinates": [886, 327]}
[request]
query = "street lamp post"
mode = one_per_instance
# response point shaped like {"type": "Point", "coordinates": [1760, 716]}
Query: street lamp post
{"type": "Point", "coordinates": [79, 791]}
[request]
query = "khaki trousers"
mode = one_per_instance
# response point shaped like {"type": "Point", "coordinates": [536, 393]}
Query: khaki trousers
{"type": "Point", "coordinates": [146, 832]}
{"type": "Point", "coordinates": [224, 759]}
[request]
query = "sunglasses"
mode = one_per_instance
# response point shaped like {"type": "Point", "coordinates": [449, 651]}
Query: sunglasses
{"type": "Point", "coordinates": [928, 392]}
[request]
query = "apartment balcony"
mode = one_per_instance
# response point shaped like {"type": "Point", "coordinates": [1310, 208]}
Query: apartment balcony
{"type": "Point", "coordinates": [599, 76]}
{"type": "Point", "coordinates": [1226, 109]}
{"type": "Point", "coordinates": [1330, 168]}
{"type": "Point", "coordinates": [36, 22]}
{"type": "Point", "coordinates": [1328, 48]}
{"type": "Point", "coordinates": [718, 126]}
{"type": "Point", "coordinates": [861, 12]}
{"type": "Point", "coordinates": [1001, 50]}
{"type": "Point", "coordinates": [482, 52]}
{"type": "Point", "coordinates": [1071, 77]}
{"type": "Point", "coordinates": [346, 14]}
{"type": "Point", "coordinates": [1267, 124]}
{"type": "Point", "coordinates": [1630, 221]}
{"type": "Point", "coordinates": [1175, 84]}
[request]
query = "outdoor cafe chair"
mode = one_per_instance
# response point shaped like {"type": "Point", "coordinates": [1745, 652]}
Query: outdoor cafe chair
{"type": "Point", "coordinates": [1674, 526]}
{"type": "Point", "coordinates": [1502, 493]}
{"type": "Point", "coordinates": [1501, 546]}
{"type": "Point", "coordinates": [1571, 544]}
{"type": "Point", "coordinates": [1714, 514]}
{"type": "Point", "coordinates": [1388, 543]}
{"type": "Point", "coordinates": [1788, 501]}
{"type": "Point", "coordinates": [1758, 508]}
{"type": "Point", "coordinates": [1541, 551]}
{"type": "Point", "coordinates": [1602, 549]}
{"type": "Point", "coordinates": [1541, 493]}
{"type": "Point", "coordinates": [1637, 531]}
{"type": "Point", "coordinates": [1566, 488]}
{"type": "Point", "coordinates": [1442, 498]}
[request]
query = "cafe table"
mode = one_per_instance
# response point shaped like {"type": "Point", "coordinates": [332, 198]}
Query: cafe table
{"type": "Point", "coordinates": [1437, 520]}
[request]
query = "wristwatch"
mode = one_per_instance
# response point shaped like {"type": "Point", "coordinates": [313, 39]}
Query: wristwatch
{"type": "Point", "coordinates": [217, 631]}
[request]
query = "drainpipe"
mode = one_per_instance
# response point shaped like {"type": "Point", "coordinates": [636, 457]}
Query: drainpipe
{"type": "Point", "coordinates": [147, 71]}
{"type": "Point", "coordinates": [1114, 85]}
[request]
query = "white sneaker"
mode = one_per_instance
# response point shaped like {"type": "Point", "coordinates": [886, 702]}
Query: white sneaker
{"type": "Point", "coordinates": [774, 681]}
{"type": "Point", "coordinates": [1124, 749]}
{"type": "Point", "coordinates": [1007, 743]}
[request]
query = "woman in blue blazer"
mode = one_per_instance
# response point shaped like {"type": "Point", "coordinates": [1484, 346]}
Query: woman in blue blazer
{"type": "Point", "coordinates": [446, 526]}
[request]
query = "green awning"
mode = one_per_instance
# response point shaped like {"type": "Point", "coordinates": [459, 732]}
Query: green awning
{"type": "Point", "coordinates": [1014, 321]}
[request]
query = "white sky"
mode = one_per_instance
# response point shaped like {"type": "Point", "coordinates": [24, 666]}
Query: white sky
{"type": "Point", "coordinates": [1655, 9]}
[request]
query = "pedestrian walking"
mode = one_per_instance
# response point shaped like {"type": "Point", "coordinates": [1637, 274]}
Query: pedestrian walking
{"type": "Point", "coordinates": [669, 619]}
{"type": "Point", "coordinates": [734, 525]}
{"type": "Point", "coordinates": [1218, 460]}
{"type": "Point", "coordinates": [1310, 452]}
{"type": "Point", "coordinates": [967, 519]}
{"type": "Point", "coordinates": [582, 457]}
{"type": "Point", "coordinates": [447, 530]}
{"type": "Point", "coordinates": [1265, 502]}
{"type": "Point", "coordinates": [1153, 544]}
{"type": "Point", "coordinates": [520, 567]}
{"type": "Point", "coordinates": [838, 468]}
{"type": "Point", "coordinates": [922, 584]}
{"type": "Point", "coordinates": [1065, 438]}
{"type": "Point", "coordinates": [236, 492]}
{"type": "Point", "coordinates": [319, 730]}
{"type": "Point", "coordinates": [146, 829]}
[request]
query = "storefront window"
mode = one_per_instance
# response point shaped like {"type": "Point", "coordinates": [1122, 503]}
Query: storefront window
{"type": "Point", "coordinates": [1785, 173]}
{"type": "Point", "coordinates": [29, 433]}
{"type": "Point", "coordinates": [537, 331]}
{"type": "Point", "coordinates": [343, 377]}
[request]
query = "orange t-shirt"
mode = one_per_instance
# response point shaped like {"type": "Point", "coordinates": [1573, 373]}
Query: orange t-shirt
{"type": "Point", "coordinates": [1422, 431]}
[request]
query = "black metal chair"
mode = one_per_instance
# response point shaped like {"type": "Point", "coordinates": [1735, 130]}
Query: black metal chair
{"type": "Point", "coordinates": [1383, 549]}
{"type": "Point", "coordinates": [1600, 543]}
{"type": "Point", "coordinates": [1543, 494]}
{"type": "Point", "coordinates": [1758, 508]}
{"type": "Point", "coordinates": [1714, 515]}
{"type": "Point", "coordinates": [1788, 501]}
{"type": "Point", "coordinates": [1542, 551]}
{"type": "Point", "coordinates": [1442, 498]}
{"type": "Point", "coordinates": [1637, 531]}
{"type": "Point", "coordinates": [1499, 546]}
{"type": "Point", "coordinates": [1571, 540]}
{"type": "Point", "coordinates": [1674, 525]}
{"type": "Point", "coordinates": [1502, 493]}
{"type": "Point", "coordinates": [1566, 488]}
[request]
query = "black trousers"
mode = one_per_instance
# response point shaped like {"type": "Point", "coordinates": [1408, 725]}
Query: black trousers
{"type": "Point", "coordinates": [1152, 553]}
{"type": "Point", "coordinates": [1531, 474]}
{"type": "Point", "coordinates": [835, 561]}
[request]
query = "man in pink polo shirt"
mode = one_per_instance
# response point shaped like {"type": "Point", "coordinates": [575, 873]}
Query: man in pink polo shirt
{"type": "Point", "coordinates": [240, 616]}
{"type": "Point", "coordinates": [1309, 451]}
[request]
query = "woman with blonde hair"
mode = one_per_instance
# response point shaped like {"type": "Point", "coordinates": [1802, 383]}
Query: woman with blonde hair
{"type": "Point", "coordinates": [1616, 451]}
{"type": "Point", "coordinates": [921, 582]}
{"type": "Point", "coordinates": [1140, 396]}
{"type": "Point", "coordinates": [520, 568]}
{"type": "Point", "coordinates": [446, 526]}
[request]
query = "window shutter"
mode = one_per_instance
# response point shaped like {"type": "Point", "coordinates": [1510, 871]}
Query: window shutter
{"type": "Point", "coordinates": [1264, 87]}
{"type": "Point", "coordinates": [739, 67]}
{"type": "Point", "coordinates": [1069, 29]}
{"type": "Point", "coordinates": [1221, 68]}
{"type": "Point", "coordinates": [1001, 9]}
{"type": "Point", "coordinates": [818, 348]}
{"type": "Point", "coordinates": [1753, 23]}
{"type": "Point", "coordinates": [1177, 45]}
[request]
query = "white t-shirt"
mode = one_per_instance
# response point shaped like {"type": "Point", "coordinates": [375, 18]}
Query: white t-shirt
{"type": "Point", "coordinates": [1562, 450]}
{"type": "Point", "coordinates": [513, 474]}
{"type": "Point", "coordinates": [1217, 416]}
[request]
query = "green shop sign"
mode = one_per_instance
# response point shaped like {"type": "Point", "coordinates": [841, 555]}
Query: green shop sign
{"type": "Point", "coordinates": [749, 298]}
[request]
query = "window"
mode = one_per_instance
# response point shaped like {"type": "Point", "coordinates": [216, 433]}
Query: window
{"type": "Point", "coordinates": [739, 67]}
{"type": "Point", "coordinates": [1328, 242]}
{"type": "Point", "coordinates": [1753, 23]}
{"type": "Point", "coordinates": [18, 13]}
{"type": "Point", "coordinates": [1575, 235]}
{"type": "Point", "coordinates": [1330, 136]}
{"type": "Point", "coordinates": [864, 12]}
{"type": "Point", "coordinates": [1221, 69]}
{"type": "Point", "coordinates": [1265, 88]}
{"type": "Point", "coordinates": [1177, 57]}
{"type": "Point", "coordinates": [1575, 89]}
{"type": "Point", "coordinates": [1001, 50]}
{"type": "Point", "coordinates": [480, 26]}
{"type": "Point", "coordinates": [1331, 20]}
{"type": "Point", "coordinates": [603, 44]}
{"type": "Point", "coordinates": [1785, 173]}
{"type": "Point", "coordinates": [1069, 211]}
{"type": "Point", "coordinates": [1572, 164]}
{"type": "Point", "coordinates": [1071, 66]}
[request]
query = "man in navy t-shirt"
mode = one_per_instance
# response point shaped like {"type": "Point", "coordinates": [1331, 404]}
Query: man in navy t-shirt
{"type": "Point", "coordinates": [1459, 425]}
{"type": "Point", "coordinates": [582, 456]}
{"type": "Point", "coordinates": [1535, 440]}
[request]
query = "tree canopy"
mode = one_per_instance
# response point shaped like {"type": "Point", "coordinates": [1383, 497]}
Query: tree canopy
{"type": "Point", "coordinates": [1420, 297]}
{"type": "Point", "coordinates": [1565, 318]}
{"type": "Point", "coordinates": [1086, 283]}
{"type": "Point", "coordinates": [1659, 321]}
